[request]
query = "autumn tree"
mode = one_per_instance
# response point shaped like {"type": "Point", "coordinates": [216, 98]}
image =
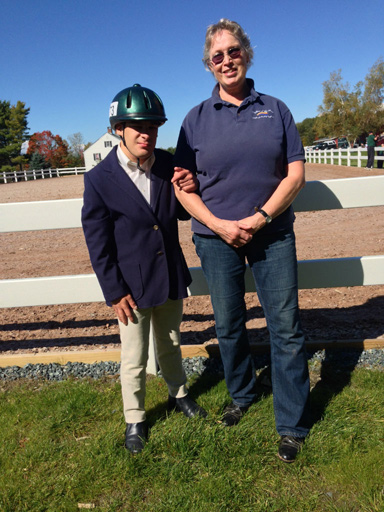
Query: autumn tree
{"type": "Point", "coordinates": [52, 147]}
{"type": "Point", "coordinates": [13, 132]}
{"type": "Point", "coordinates": [351, 112]}
{"type": "Point", "coordinates": [373, 98]}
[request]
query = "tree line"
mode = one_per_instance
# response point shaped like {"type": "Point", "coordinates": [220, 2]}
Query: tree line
{"type": "Point", "coordinates": [346, 111]}
{"type": "Point", "coordinates": [44, 149]}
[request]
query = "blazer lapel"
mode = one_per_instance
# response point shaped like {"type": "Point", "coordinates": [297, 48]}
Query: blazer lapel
{"type": "Point", "coordinates": [125, 184]}
{"type": "Point", "coordinates": [158, 178]}
{"type": "Point", "coordinates": [156, 186]}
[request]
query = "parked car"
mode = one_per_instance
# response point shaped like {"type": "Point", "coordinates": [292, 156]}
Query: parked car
{"type": "Point", "coordinates": [330, 144]}
{"type": "Point", "coordinates": [321, 146]}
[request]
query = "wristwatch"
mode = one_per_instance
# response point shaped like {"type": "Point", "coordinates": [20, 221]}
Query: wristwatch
{"type": "Point", "coordinates": [267, 217]}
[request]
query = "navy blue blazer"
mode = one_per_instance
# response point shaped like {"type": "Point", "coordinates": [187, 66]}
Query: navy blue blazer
{"type": "Point", "coordinates": [134, 247]}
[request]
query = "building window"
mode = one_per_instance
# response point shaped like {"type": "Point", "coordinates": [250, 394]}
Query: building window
{"type": "Point", "coordinates": [97, 157]}
{"type": "Point", "coordinates": [108, 144]}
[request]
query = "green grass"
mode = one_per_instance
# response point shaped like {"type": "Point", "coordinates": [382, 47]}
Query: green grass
{"type": "Point", "coordinates": [63, 444]}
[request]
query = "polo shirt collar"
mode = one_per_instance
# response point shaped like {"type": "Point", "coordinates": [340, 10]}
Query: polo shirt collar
{"type": "Point", "coordinates": [253, 96]}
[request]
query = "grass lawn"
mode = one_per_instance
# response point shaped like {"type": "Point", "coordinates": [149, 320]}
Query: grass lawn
{"type": "Point", "coordinates": [62, 449]}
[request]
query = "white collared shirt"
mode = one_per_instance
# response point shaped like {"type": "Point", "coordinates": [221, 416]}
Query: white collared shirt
{"type": "Point", "coordinates": [140, 177]}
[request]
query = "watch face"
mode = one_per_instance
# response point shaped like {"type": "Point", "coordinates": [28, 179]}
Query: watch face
{"type": "Point", "coordinates": [267, 217]}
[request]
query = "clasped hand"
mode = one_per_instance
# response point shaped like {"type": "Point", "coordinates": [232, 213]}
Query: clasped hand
{"type": "Point", "coordinates": [233, 232]}
{"type": "Point", "coordinates": [238, 233]}
{"type": "Point", "coordinates": [185, 180]}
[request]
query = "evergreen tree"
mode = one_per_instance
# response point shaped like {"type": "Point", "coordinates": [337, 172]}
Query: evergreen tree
{"type": "Point", "coordinates": [37, 162]}
{"type": "Point", "coordinates": [13, 132]}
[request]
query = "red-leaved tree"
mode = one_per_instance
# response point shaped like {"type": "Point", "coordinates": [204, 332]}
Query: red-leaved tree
{"type": "Point", "coordinates": [52, 147]}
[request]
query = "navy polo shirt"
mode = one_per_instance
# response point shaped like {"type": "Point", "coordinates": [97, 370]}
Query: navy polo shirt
{"type": "Point", "coordinates": [239, 154]}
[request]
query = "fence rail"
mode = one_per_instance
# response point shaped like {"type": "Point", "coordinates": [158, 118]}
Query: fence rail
{"type": "Point", "coordinates": [320, 273]}
{"type": "Point", "coordinates": [316, 195]}
{"type": "Point", "coordinates": [36, 174]}
{"type": "Point", "coordinates": [350, 156]}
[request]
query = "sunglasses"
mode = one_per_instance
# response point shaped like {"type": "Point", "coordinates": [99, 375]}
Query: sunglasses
{"type": "Point", "coordinates": [233, 53]}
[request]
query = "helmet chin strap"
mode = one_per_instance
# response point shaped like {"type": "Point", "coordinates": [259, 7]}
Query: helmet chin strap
{"type": "Point", "coordinates": [122, 137]}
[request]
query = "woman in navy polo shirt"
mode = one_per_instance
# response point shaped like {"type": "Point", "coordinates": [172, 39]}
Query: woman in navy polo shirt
{"type": "Point", "coordinates": [247, 154]}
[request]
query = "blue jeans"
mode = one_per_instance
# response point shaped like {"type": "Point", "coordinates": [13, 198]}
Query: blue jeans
{"type": "Point", "coordinates": [272, 259]}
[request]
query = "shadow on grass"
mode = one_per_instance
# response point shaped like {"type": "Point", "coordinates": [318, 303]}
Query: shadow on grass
{"type": "Point", "coordinates": [199, 387]}
{"type": "Point", "coordinates": [212, 376]}
{"type": "Point", "coordinates": [335, 375]}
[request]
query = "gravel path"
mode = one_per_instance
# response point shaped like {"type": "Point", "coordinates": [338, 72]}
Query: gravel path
{"type": "Point", "coordinates": [340, 360]}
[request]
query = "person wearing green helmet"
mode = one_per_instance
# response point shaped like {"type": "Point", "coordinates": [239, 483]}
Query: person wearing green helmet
{"type": "Point", "coordinates": [129, 218]}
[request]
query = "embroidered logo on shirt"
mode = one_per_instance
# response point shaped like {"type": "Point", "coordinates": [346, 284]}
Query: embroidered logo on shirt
{"type": "Point", "coordinates": [263, 114]}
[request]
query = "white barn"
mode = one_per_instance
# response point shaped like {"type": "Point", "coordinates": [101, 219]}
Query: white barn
{"type": "Point", "coordinates": [100, 149]}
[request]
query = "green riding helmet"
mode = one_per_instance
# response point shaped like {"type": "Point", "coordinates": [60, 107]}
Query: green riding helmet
{"type": "Point", "coordinates": [136, 103]}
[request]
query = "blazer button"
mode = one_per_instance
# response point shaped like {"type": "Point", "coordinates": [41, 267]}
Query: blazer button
{"type": "Point", "coordinates": [159, 253]}
{"type": "Point", "coordinates": [155, 227]}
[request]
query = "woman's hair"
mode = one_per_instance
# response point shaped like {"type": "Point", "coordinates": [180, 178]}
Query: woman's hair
{"type": "Point", "coordinates": [236, 30]}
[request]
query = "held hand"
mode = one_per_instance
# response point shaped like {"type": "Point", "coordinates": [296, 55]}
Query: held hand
{"type": "Point", "coordinates": [185, 180]}
{"type": "Point", "coordinates": [232, 233]}
{"type": "Point", "coordinates": [123, 308]}
{"type": "Point", "coordinates": [252, 224]}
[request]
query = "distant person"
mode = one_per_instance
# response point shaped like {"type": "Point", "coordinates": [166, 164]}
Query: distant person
{"type": "Point", "coordinates": [247, 154]}
{"type": "Point", "coordinates": [380, 153]}
{"type": "Point", "coordinates": [371, 143]}
{"type": "Point", "coordinates": [129, 219]}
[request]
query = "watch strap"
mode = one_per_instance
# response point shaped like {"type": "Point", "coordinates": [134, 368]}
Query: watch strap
{"type": "Point", "coordinates": [268, 218]}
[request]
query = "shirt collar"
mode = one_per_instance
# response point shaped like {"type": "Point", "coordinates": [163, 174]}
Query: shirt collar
{"type": "Point", "coordinates": [129, 165]}
{"type": "Point", "coordinates": [253, 96]}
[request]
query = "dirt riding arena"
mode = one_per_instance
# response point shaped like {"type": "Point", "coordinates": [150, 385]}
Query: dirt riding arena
{"type": "Point", "coordinates": [327, 314]}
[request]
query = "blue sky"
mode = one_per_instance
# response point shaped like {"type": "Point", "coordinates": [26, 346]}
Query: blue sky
{"type": "Point", "coordinates": [67, 60]}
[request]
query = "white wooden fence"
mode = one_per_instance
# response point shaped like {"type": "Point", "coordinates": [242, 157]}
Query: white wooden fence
{"type": "Point", "coordinates": [321, 273]}
{"type": "Point", "coordinates": [350, 156]}
{"type": "Point", "coordinates": [15, 176]}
